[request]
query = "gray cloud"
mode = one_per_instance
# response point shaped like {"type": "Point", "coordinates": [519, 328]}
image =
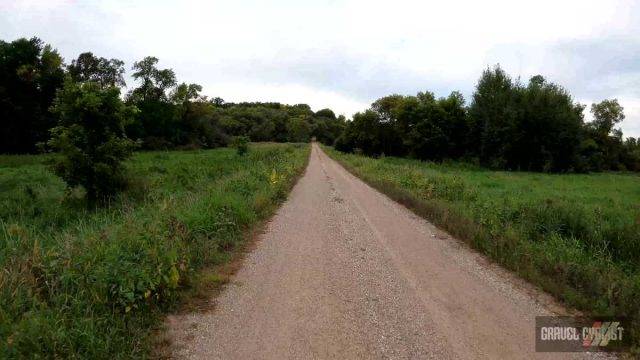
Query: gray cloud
{"type": "Point", "coordinates": [599, 68]}
{"type": "Point", "coordinates": [360, 77]}
{"type": "Point", "coordinates": [351, 52]}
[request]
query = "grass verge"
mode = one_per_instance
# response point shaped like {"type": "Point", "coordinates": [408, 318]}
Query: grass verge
{"type": "Point", "coordinates": [94, 284]}
{"type": "Point", "coordinates": [577, 236]}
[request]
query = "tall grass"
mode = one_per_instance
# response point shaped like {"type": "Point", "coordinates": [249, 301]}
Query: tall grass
{"type": "Point", "coordinates": [76, 283]}
{"type": "Point", "coordinates": [576, 236]}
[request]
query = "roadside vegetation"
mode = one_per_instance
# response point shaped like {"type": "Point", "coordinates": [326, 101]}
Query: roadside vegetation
{"type": "Point", "coordinates": [575, 235]}
{"type": "Point", "coordinates": [78, 281]}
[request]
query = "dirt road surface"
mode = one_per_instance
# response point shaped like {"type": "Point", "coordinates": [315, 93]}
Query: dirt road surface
{"type": "Point", "coordinates": [343, 272]}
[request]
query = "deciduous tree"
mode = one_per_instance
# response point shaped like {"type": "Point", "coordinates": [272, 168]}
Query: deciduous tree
{"type": "Point", "coordinates": [90, 138]}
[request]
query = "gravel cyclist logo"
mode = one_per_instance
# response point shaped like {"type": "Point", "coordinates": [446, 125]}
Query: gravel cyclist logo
{"type": "Point", "coordinates": [574, 334]}
{"type": "Point", "coordinates": [601, 333]}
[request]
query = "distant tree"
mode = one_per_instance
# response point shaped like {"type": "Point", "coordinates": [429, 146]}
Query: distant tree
{"type": "Point", "coordinates": [326, 126]}
{"type": "Point", "coordinates": [195, 124]}
{"type": "Point", "coordinates": [90, 138]}
{"type": "Point", "coordinates": [88, 67]}
{"type": "Point", "coordinates": [232, 125]}
{"type": "Point", "coordinates": [537, 80]}
{"type": "Point", "coordinates": [218, 101]}
{"type": "Point", "coordinates": [606, 114]}
{"type": "Point", "coordinates": [298, 110]}
{"type": "Point", "coordinates": [154, 82]}
{"type": "Point", "coordinates": [344, 143]}
{"type": "Point", "coordinates": [325, 113]}
{"type": "Point", "coordinates": [299, 129]}
{"type": "Point", "coordinates": [428, 136]}
{"type": "Point", "coordinates": [30, 73]}
{"type": "Point", "coordinates": [363, 133]}
{"type": "Point", "coordinates": [158, 121]}
{"type": "Point", "coordinates": [456, 125]}
{"type": "Point", "coordinates": [387, 107]}
{"type": "Point", "coordinates": [604, 147]}
{"type": "Point", "coordinates": [631, 154]}
{"type": "Point", "coordinates": [185, 93]}
{"type": "Point", "coordinates": [548, 130]}
{"type": "Point", "coordinates": [421, 126]}
{"type": "Point", "coordinates": [262, 129]}
{"type": "Point", "coordinates": [493, 115]}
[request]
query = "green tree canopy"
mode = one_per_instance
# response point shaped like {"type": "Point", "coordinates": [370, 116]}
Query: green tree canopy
{"type": "Point", "coordinates": [30, 73]}
{"type": "Point", "coordinates": [88, 67]}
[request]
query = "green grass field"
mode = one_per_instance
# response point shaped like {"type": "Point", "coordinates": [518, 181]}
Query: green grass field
{"type": "Point", "coordinates": [577, 236]}
{"type": "Point", "coordinates": [93, 284]}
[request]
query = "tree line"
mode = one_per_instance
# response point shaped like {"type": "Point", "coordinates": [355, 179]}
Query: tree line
{"type": "Point", "coordinates": [162, 113]}
{"type": "Point", "coordinates": [508, 125]}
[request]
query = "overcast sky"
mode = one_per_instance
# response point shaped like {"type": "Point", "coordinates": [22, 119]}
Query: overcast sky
{"type": "Point", "coordinates": [345, 54]}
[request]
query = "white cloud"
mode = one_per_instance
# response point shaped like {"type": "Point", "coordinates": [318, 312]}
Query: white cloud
{"type": "Point", "coordinates": [344, 54]}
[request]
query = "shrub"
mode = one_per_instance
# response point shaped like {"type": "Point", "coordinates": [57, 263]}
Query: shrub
{"type": "Point", "coordinates": [90, 138]}
{"type": "Point", "coordinates": [241, 144]}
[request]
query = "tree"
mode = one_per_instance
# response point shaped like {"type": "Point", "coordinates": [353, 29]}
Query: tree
{"type": "Point", "coordinates": [185, 93]}
{"type": "Point", "coordinates": [326, 127]}
{"type": "Point", "coordinates": [88, 67]}
{"type": "Point", "coordinates": [427, 126]}
{"type": "Point", "coordinates": [155, 82]}
{"type": "Point", "coordinates": [456, 124]}
{"type": "Point", "coordinates": [548, 128]}
{"type": "Point", "coordinates": [30, 73]}
{"type": "Point", "coordinates": [606, 115]}
{"type": "Point", "coordinates": [262, 129]}
{"type": "Point", "coordinates": [387, 107]}
{"type": "Point", "coordinates": [90, 138]}
{"type": "Point", "coordinates": [325, 113]}
{"type": "Point", "coordinates": [631, 154]}
{"type": "Point", "coordinates": [605, 143]}
{"type": "Point", "coordinates": [218, 101]}
{"type": "Point", "coordinates": [363, 133]}
{"type": "Point", "coordinates": [493, 114]}
{"type": "Point", "coordinates": [299, 110]}
{"type": "Point", "coordinates": [158, 121]}
{"type": "Point", "coordinates": [299, 129]}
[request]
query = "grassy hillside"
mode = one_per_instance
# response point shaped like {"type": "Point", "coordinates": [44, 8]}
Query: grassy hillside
{"type": "Point", "coordinates": [577, 236]}
{"type": "Point", "coordinates": [92, 284]}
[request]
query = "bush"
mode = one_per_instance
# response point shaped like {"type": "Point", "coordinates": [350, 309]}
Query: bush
{"type": "Point", "coordinates": [90, 138]}
{"type": "Point", "coordinates": [241, 144]}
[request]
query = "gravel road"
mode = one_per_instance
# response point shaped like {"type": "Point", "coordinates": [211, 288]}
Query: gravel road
{"type": "Point", "coordinates": [343, 272]}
